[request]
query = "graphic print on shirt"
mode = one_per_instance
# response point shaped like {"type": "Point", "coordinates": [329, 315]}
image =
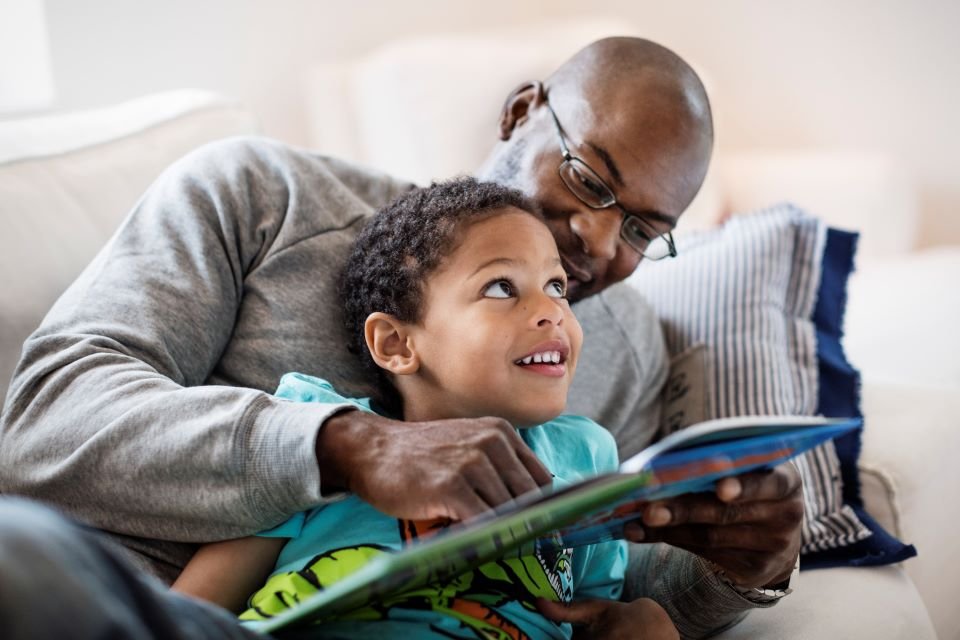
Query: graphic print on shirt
{"type": "Point", "coordinates": [475, 599]}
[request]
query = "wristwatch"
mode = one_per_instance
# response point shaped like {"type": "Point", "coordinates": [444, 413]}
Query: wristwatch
{"type": "Point", "coordinates": [764, 595]}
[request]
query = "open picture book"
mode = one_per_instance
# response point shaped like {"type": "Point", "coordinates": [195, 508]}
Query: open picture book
{"type": "Point", "coordinates": [594, 510]}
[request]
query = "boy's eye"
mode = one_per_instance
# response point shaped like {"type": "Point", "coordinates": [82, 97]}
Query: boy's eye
{"type": "Point", "coordinates": [556, 289]}
{"type": "Point", "coordinates": [499, 289]}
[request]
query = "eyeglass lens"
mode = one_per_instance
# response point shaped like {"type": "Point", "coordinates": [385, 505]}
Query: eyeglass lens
{"type": "Point", "coordinates": [592, 191]}
{"type": "Point", "coordinates": [586, 184]}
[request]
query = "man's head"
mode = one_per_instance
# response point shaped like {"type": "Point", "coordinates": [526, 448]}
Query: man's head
{"type": "Point", "coordinates": [456, 295]}
{"type": "Point", "coordinates": [634, 113]}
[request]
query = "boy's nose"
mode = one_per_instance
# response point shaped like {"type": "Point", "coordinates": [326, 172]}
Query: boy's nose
{"type": "Point", "coordinates": [548, 312]}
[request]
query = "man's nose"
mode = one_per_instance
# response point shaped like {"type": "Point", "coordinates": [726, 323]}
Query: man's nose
{"type": "Point", "coordinates": [599, 230]}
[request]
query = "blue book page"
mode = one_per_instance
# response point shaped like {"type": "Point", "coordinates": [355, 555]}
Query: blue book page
{"type": "Point", "coordinates": [697, 467]}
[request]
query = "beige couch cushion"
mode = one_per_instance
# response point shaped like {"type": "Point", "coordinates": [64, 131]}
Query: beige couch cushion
{"type": "Point", "coordinates": [422, 116]}
{"type": "Point", "coordinates": [66, 182]}
{"type": "Point", "coordinates": [874, 602]}
{"type": "Point", "coordinates": [865, 192]}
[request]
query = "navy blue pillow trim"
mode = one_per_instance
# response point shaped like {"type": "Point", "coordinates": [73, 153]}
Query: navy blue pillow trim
{"type": "Point", "coordinates": [879, 549]}
{"type": "Point", "coordinates": [839, 396]}
{"type": "Point", "coordinates": [839, 388]}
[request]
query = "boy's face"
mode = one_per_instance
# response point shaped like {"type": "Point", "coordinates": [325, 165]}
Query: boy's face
{"type": "Point", "coordinates": [494, 307]}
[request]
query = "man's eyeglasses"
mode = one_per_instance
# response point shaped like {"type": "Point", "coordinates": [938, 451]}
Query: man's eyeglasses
{"type": "Point", "coordinates": [591, 190]}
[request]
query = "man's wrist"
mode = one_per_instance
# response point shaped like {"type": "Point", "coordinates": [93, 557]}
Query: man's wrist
{"type": "Point", "coordinates": [334, 449]}
{"type": "Point", "coordinates": [776, 589]}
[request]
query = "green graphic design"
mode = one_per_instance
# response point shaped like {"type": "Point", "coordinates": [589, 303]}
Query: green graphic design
{"type": "Point", "coordinates": [470, 598]}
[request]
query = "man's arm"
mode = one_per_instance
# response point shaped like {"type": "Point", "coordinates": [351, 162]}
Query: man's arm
{"type": "Point", "coordinates": [108, 415]}
{"type": "Point", "coordinates": [123, 409]}
{"type": "Point", "coordinates": [698, 601]}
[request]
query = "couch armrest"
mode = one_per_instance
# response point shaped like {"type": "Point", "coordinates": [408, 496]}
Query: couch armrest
{"type": "Point", "coordinates": [911, 443]}
{"type": "Point", "coordinates": [871, 602]}
{"type": "Point", "coordinates": [68, 179]}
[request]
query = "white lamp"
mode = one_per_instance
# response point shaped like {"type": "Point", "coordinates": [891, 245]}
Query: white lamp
{"type": "Point", "coordinates": [26, 78]}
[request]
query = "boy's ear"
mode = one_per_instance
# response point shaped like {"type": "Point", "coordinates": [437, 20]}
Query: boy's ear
{"type": "Point", "coordinates": [388, 340]}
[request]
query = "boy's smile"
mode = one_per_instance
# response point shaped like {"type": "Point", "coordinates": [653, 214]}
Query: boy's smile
{"type": "Point", "coordinates": [496, 335]}
{"type": "Point", "coordinates": [549, 359]}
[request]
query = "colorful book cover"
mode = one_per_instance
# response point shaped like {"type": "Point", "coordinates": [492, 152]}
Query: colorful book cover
{"type": "Point", "coordinates": [595, 510]}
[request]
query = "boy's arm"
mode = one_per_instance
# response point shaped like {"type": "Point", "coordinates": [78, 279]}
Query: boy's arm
{"type": "Point", "coordinates": [226, 573]}
{"type": "Point", "coordinates": [611, 620]}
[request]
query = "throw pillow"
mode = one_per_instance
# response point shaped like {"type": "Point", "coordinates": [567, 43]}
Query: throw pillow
{"type": "Point", "coordinates": [750, 293]}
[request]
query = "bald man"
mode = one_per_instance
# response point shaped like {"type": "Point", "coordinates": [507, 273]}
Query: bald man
{"type": "Point", "coordinates": [141, 405]}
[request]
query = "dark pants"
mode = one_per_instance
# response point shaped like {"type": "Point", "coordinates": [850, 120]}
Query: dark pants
{"type": "Point", "coordinates": [59, 580]}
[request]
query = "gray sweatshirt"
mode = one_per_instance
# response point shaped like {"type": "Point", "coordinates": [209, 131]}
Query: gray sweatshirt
{"type": "Point", "coordinates": [142, 404]}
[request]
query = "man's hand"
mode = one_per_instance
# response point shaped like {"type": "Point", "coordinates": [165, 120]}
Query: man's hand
{"type": "Point", "coordinates": [750, 527]}
{"type": "Point", "coordinates": [610, 620]}
{"type": "Point", "coordinates": [422, 470]}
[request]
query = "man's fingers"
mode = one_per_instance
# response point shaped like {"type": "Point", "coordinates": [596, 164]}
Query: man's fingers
{"type": "Point", "coordinates": [705, 508]}
{"type": "Point", "coordinates": [700, 537]}
{"type": "Point", "coordinates": [775, 484]}
{"type": "Point", "coordinates": [509, 467]}
{"type": "Point", "coordinates": [463, 505]}
{"type": "Point", "coordinates": [764, 497]}
{"type": "Point", "coordinates": [484, 478]}
{"type": "Point", "coordinates": [462, 467]}
{"type": "Point", "coordinates": [540, 474]}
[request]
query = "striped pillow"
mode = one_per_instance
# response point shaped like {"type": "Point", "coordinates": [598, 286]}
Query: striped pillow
{"type": "Point", "coordinates": [747, 291]}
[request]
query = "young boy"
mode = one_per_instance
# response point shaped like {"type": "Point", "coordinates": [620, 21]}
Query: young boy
{"type": "Point", "coordinates": [455, 296]}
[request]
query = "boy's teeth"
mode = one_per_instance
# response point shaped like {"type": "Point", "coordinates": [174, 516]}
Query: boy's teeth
{"type": "Point", "coordinates": [547, 357]}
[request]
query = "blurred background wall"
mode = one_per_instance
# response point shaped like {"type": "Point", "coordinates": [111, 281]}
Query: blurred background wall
{"type": "Point", "coordinates": [872, 75]}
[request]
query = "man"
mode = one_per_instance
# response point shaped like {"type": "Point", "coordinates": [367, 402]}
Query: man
{"type": "Point", "coordinates": [141, 404]}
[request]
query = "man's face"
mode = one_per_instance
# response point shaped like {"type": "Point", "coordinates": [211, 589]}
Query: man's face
{"type": "Point", "coordinates": [649, 157]}
{"type": "Point", "coordinates": [497, 337]}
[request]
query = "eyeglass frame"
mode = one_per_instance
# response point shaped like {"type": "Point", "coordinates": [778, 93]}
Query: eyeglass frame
{"type": "Point", "coordinates": [570, 159]}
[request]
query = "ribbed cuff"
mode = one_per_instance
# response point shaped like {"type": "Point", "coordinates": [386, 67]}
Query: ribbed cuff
{"type": "Point", "coordinates": [281, 438]}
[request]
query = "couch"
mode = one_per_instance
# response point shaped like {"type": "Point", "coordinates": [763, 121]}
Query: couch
{"type": "Point", "coordinates": [67, 180]}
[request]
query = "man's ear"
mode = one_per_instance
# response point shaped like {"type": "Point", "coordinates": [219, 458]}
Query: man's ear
{"type": "Point", "coordinates": [518, 105]}
{"type": "Point", "coordinates": [388, 340]}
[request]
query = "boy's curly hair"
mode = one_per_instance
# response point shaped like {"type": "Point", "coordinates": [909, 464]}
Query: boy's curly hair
{"type": "Point", "coordinates": [404, 243]}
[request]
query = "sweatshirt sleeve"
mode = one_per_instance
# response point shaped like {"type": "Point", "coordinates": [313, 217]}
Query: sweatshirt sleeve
{"type": "Point", "coordinates": [109, 414]}
{"type": "Point", "coordinates": [698, 602]}
{"type": "Point", "coordinates": [623, 367]}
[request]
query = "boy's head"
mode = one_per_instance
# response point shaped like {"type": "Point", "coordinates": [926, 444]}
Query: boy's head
{"type": "Point", "coordinates": [453, 292]}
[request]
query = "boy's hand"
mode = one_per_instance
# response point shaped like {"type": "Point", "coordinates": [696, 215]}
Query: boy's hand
{"type": "Point", "coordinates": [423, 470]}
{"type": "Point", "coordinates": [750, 526]}
{"type": "Point", "coordinates": [641, 619]}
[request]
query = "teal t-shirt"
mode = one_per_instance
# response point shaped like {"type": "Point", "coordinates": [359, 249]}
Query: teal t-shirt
{"type": "Point", "coordinates": [495, 600]}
